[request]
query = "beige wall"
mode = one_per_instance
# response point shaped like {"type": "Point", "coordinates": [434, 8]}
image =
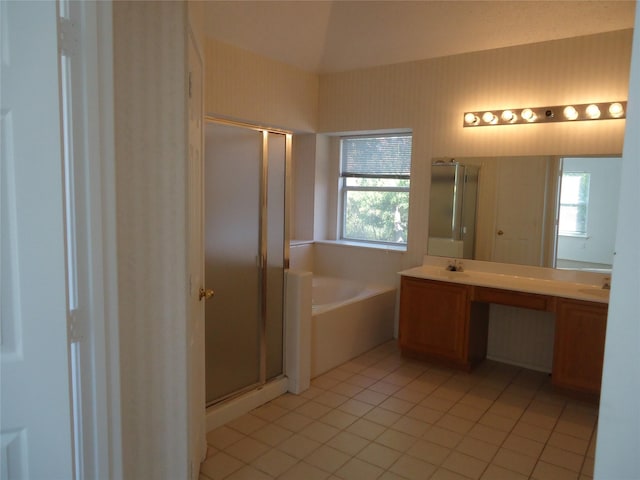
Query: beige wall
{"type": "Point", "coordinates": [241, 85]}
{"type": "Point", "coordinates": [151, 144]}
{"type": "Point", "coordinates": [430, 97]}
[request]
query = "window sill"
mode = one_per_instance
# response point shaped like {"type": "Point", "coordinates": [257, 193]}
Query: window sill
{"type": "Point", "coordinates": [376, 246]}
{"type": "Point", "coordinates": [575, 235]}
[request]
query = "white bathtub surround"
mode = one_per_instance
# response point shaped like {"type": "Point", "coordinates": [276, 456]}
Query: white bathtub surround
{"type": "Point", "coordinates": [298, 330]}
{"type": "Point", "coordinates": [353, 318]}
{"type": "Point", "coordinates": [365, 263]}
{"type": "Point", "coordinates": [301, 255]}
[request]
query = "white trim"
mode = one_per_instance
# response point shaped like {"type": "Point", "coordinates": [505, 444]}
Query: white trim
{"type": "Point", "coordinates": [95, 168]}
{"type": "Point", "coordinates": [111, 368]}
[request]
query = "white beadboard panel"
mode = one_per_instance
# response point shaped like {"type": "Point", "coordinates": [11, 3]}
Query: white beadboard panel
{"type": "Point", "coordinates": [151, 152]}
{"type": "Point", "coordinates": [244, 86]}
{"type": "Point", "coordinates": [521, 337]}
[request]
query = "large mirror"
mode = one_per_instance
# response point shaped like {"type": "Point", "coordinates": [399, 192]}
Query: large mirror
{"type": "Point", "coordinates": [547, 211]}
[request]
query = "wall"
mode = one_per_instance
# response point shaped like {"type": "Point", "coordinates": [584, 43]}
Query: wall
{"type": "Point", "coordinates": [150, 152]}
{"type": "Point", "coordinates": [244, 86]}
{"type": "Point", "coordinates": [430, 97]}
{"type": "Point", "coordinates": [604, 188]}
{"type": "Point", "coordinates": [303, 167]}
{"type": "Point", "coordinates": [619, 422]}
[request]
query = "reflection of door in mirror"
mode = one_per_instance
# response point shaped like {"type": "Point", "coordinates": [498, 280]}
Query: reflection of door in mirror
{"type": "Point", "coordinates": [588, 212]}
{"type": "Point", "coordinates": [518, 202]}
{"type": "Point", "coordinates": [520, 198]}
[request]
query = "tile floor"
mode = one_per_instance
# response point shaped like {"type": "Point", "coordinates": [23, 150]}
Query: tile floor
{"type": "Point", "coordinates": [382, 416]}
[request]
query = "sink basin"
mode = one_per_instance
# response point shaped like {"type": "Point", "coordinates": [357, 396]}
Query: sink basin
{"type": "Point", "coordinates": [595, 292]}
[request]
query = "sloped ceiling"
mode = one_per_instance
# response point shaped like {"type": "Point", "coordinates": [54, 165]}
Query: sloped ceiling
{"type": "Point", "coordinates": [330, 36]}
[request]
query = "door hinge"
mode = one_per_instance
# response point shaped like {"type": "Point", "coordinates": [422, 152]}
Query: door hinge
{"type": "Point", "coordinates": [189, 84]}
{"type": "Point", "coordinates": [68, 36]}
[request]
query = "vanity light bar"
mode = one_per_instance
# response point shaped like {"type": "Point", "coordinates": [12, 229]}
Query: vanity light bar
{"type": "Point", "coordinates": [557, 113]}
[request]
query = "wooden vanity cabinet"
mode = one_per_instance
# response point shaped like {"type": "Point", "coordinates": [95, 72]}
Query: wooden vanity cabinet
{"type": "Point", "coordinates": [434, 322]}
{"type": "Point", "coordinates": [448, 322]}
{"type": "Point", "coordinates": [579, 345]}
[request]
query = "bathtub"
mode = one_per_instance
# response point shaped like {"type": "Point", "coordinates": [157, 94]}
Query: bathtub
{"type": "Point", "coordinates": [348, 318]}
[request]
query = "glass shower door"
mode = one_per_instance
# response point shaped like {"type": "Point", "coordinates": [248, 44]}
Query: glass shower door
{"type": "Point", "coordinates": [245, 178]}
{"type": "Point", "coordinates": [232, 243]}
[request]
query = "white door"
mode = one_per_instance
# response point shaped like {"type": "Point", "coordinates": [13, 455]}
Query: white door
{"type": "Point", "coordinates": [197, 429]}
{"type": "Point", "coordinates": [518, 236]}
{"type": "Point", "coordinates": [35, 401]}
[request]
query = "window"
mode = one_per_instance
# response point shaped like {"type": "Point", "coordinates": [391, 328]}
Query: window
{"type": "Point", "coordinates": [374, 176]}
{"type": "Point", "coordinates": [574, 204]}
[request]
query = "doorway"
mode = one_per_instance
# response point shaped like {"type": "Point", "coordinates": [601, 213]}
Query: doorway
{"type": "Point", "coordinates": [246, 253]}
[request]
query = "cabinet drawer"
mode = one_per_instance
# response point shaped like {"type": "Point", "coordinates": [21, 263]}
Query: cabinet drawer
{"type": "Point", "coordinates": [511, 298]}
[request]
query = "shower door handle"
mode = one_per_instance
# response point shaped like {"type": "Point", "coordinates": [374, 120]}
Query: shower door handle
{"type": "Point", "coordinates": [206, 294]}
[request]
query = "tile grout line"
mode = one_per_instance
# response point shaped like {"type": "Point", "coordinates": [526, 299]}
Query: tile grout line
{"type": "Point", "coordinates": [390, 363]}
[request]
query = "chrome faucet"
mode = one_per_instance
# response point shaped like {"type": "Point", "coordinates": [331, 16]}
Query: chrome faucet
{"type": "Point", "coordinates": [606, 283]}
{"type": "Point", "coordinates": [455, 266]}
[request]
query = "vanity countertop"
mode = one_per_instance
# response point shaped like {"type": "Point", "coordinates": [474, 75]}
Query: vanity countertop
{"type": "Point", "coordinates": [518, 283]}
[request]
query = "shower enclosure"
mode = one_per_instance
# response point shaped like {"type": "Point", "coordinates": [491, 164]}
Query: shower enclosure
{"type": "Point", "coordinates": [245, 256]}
{"type": "Point", "coordinates": [452, 213]}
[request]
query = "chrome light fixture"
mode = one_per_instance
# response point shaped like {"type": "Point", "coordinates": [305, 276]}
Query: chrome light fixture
{"type": "Point", "coordinates": [556, 113]}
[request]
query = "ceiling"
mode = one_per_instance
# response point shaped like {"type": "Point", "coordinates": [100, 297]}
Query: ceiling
{"type": "Point", "coordinates": [330, 36]}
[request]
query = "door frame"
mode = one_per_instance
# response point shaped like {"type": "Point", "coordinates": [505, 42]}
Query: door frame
{"type": "Point", "coordinates": [100, 359]}
{"type": "Point", "coordinates": [98, 451]}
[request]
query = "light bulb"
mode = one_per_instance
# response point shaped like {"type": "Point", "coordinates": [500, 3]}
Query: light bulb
{"type": "Point", "coordinates": [508, 116]}
{"type": "Point", "coordinates": [528, 115]}
{"type": "Point", "coordinates": [616, 110]}
{"type": "Point", "coordinates": [489, 117]}
{"type": "Point", "coordinates": [593, 111]}
{"type": "Point", "coordinates": [570, 113]}
{"type": "Point", "coordinates": [471, 119]}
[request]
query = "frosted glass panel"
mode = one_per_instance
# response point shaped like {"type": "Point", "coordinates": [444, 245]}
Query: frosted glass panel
{"type": "Point", "coordinates": [275, 252]}
{"type": "Point", "coordinates": [232, 223]}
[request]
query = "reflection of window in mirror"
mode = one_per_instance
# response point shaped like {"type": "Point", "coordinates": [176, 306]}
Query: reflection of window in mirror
{"type": "Point", "coordinates": [587, 212]}
{"type": "Point", "coordinates": [574, 204]}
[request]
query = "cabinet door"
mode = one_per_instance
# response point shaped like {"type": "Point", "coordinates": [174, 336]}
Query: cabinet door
{"type": "Point", "coordinates": [579, 345]}
{"type": "Point", "coordinates": [433, 318]}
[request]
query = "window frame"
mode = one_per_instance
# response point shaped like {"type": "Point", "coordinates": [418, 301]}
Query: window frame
{"type": "Point", "coordinates": [344, 190]}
